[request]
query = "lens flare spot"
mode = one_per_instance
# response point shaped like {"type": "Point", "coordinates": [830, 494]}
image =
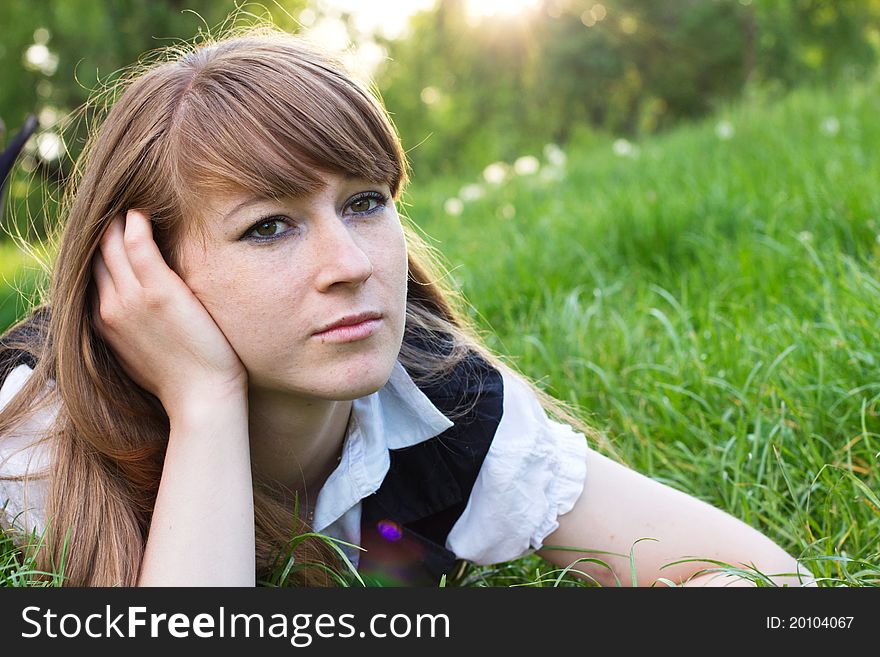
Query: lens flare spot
{"type": "Point", "coordinates": [390, 530]}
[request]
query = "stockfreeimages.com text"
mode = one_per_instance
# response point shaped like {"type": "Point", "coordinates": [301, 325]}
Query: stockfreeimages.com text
{"type": "Point", "coordinates": [300, 629]}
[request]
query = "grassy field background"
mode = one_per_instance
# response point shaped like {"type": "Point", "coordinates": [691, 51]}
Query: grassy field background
{"type": "Point", "coordinates": [709, 297]}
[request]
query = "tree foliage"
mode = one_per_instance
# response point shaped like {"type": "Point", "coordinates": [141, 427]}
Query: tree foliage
{"type": "Point", "coordinates": [56, 54]}
{"type": "Point", "coordinates": [471, 91]}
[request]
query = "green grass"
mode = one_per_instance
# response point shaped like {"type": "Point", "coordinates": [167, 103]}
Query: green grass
{"type": "Point", "coordinates": [712, 303]}
{"type": "Point", "coordinates": [19, 276]}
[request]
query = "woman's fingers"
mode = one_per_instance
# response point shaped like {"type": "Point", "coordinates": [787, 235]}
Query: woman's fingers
{"type": "Point", "coordinates": [146, 260]}
{"type": "Point", "coordinates": [105, 291]}
{"type": "Point", "coordinates": [130, 255]}
{"type": "Point", "coordinates": [159, 331]}
{"type": "Point", "coordinates": [103, 279]}
{"type": "Point", "coordinates": [115, 258]}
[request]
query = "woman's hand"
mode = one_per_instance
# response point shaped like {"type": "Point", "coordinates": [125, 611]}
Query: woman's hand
{"type": "Point", "coordinates": [162, 335]}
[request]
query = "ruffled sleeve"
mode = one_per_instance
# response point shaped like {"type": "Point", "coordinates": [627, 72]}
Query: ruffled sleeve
{"type": "Point", "coordinates": [22, 503]}
{"type": "Point", "coordinates": [533, 473]}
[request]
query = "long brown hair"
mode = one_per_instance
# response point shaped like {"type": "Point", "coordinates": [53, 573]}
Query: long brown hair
{"type": "Point", "coordinates": [260, 111]}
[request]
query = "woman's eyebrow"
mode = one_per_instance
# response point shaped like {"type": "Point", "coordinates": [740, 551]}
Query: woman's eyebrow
{"type": "Point", "coordinates": [252, 200]}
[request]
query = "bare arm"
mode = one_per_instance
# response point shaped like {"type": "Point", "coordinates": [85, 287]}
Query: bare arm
{"type": "Point", "coordinates": [619, 506]}
{"type": "Point", "coordinates": [202, 531]}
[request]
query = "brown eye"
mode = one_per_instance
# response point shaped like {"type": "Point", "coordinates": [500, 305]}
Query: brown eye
{"type": "Point", "coordinates": [367, 203]}
{"type": "Point", "coordinates": [362, 205]}
{"type": "Point", "coordinates": [266, 229]}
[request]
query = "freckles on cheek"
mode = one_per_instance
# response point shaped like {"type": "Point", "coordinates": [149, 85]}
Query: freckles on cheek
{"type": "Point", "coordinates": [392, 253]}
{"type": "Point", "coordinates": [222, 296]}
{"type": "Point", "coordinates": [211, 288]}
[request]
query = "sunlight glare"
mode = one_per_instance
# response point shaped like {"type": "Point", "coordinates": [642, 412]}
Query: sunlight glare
{"type": "Point", "coordinates": [487, 8]}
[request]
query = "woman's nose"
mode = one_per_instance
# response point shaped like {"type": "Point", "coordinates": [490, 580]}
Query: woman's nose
{"type": "Point", "coordinates": [340, 256]}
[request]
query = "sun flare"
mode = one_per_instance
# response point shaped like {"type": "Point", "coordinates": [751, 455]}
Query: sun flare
{"type": "Point", "coordinates": [487, 8]}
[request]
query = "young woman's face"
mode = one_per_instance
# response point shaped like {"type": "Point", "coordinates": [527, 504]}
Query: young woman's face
{"type": "Point", "coordinates": [272, 274]}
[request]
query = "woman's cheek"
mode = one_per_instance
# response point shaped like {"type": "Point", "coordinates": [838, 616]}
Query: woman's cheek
{"type": "Point", "coordinates": [396, 256]}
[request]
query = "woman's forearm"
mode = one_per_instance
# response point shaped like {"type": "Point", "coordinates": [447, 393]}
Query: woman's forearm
{"type": "Point", "coordinates": [202, 530]}
{"type": "Point", "coordinates": [619, 508]}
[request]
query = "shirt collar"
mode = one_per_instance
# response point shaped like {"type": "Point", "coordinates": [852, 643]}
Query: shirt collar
{"type": "Point", "coordinates": [397, 415]}
{"type": "Point", "coordinates": [407, 416]}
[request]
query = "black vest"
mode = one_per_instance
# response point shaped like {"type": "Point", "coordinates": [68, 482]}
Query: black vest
{"type": "Point", "coordinates": [404, 524]}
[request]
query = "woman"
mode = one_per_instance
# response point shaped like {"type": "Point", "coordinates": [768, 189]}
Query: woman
{"type": "Point", "coordinates": [243, 341]}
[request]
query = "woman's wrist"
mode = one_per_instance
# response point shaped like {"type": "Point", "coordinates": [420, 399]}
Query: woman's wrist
{"type": "Point", "coordinates": [208, 402]}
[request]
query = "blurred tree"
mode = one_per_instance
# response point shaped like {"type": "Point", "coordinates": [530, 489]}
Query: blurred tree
{"type": "Point", "coordinates": [816, 40]}
{"type": "Point", "coordinates": [55, 54]}
{"type": "Point", "coordinates": [469, 91]}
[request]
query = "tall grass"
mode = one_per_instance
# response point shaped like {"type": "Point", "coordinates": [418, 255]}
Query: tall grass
{"type": "Point", "coordinates": [711, 298]}
{"type": "Point", "coordinates": [21, 276]}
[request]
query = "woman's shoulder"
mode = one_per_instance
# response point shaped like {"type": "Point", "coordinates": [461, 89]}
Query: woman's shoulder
{"type": "Point", "coordinates": [20, 342]}
{"type": "Point", "coordinates": [23, 454]}
{"type": "Point", "coordinates": [12, 380]}
{"type": "Point", "coordinates": [533, 472]}
{"type": "Point", "coordinates": [22, 449]}
{"type": "Point", "coordinates": [19, 346]}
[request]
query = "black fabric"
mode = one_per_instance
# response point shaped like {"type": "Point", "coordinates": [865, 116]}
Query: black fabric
{"type": "Point", "coordinates": [28, 331]}
{"type": "Point", "coordinates": [404, 524]}
{"type": "Point", "coordinates": [9, 155]}
{"type": "Point", "coordinates": [12, 358]}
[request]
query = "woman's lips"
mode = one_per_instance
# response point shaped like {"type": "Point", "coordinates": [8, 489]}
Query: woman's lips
{"type": "Point", "coordinates": [350, 333]}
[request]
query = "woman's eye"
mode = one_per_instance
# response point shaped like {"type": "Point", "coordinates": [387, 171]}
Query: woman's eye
{"type": "Point", "coordinates": [362, 204]}
{"type": "Point", "coordinates": [268, 228]}
{"type": "Point", "coordinates": [368, 203]}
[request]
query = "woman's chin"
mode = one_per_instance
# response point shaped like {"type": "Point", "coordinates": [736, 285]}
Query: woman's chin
{"type": "Point", "coordinates": [344, 382]}
{"type": "Point", "coordinates": [359, 375]}
{"type": "Point", "coordinates": [365, 383]}
{"type": "Point", "coordinates": [347, 391]}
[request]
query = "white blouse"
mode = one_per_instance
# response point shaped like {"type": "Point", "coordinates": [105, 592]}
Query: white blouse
{"type": "Point", "coordinates": [533, 472]}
